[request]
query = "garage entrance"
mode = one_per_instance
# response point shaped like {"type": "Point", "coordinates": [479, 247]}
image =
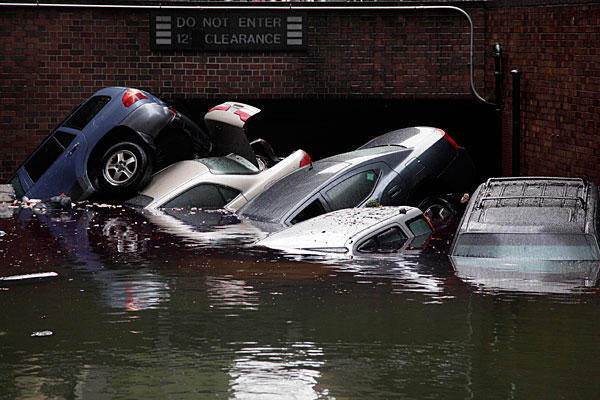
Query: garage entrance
{"type": "Point", "coordinates": [327, 127]}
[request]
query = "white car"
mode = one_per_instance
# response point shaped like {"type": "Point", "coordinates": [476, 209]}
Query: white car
{"type": "Point", "coordinates": [228, 181]}
{"type": "Point", "coordinates": [211, 183]}
{"type": "Point", "coordinates": [354, 231]}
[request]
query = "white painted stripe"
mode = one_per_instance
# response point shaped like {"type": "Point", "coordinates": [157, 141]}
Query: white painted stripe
{"type": "Point", "coordinates": [294, 19]}
{"type": "Point", "coordinates": [294, 42]}
{"type": "Point", "coordinates": [294, 34]}
{"type": "Point", "coordinates": [163, 41]}
{"type": "Point", "coordinates": [163, 34]}
{"type": "Point", "coordinates": [295, 27]}
{"type": "Point", "coordinates": [163, 18]}
{"type": "Point", "coordinates": [163, 27]}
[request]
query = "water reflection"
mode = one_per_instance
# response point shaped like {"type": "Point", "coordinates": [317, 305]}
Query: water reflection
{"type": "Point", "coordinates": [216, 228]}
{"type": "Point", "coordinates": [135, 291]}
{"type": "Point", "coordinates": [92, 240]}
{"type": "Point", "coordinates": [531, 276]}
{"type": "Point", "coordinates": [282, 372]}
{"type": "Point", "coordinates": [226, 293]}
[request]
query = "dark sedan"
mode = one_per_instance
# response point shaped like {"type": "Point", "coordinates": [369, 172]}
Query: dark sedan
{"type": "Point", "coordinates": [412, 166]}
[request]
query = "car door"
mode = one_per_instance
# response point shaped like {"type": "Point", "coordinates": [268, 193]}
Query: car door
{"type": "Point", "coordinates": [56, 164]}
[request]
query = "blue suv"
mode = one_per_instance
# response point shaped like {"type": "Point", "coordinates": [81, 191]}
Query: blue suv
{"type": "Point", "coordinates": [110, 144]}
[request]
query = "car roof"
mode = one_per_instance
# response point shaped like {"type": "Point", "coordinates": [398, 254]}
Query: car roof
{"type": "Point", "coordinates": [531, 204]}
{"type": "Point", "coordinates": [335, 228]}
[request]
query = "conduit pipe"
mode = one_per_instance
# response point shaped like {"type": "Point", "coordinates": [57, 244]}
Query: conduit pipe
{"type": "Point", "coordinates": [291, 6]}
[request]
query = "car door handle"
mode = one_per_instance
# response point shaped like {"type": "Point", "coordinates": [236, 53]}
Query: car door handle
{"type": "Point", "coordinates": [75, 146]}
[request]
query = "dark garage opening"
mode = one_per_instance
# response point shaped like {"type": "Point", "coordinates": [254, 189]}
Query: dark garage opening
{"type": "Point", "coordinates": [327, 127]}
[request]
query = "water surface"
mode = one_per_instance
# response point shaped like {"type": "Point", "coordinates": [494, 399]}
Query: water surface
{"type": "Point", "coordinates": [146, 307]}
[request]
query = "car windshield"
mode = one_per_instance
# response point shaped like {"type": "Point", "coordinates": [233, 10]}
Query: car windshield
{"type": "Point", "coordinates": [543, 246]}
{"type": "Point", "coordinates": [229, 165]}
{"type": "Point", "coordinates": [272, 204]}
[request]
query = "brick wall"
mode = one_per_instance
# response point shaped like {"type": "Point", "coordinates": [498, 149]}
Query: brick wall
{"type": "Point", "coordinates": [557, 48]}
{"type": "Point", "coordinates": [51, 59]}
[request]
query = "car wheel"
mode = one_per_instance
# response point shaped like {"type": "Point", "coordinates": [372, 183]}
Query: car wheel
{"type": "Point", "coordinates": [124, 168]}
{"type": "Point", "coordinates": [439, 211]}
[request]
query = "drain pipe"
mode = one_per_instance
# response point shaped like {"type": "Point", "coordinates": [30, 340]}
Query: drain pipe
{"type": "Point", "coordinates": [498, 74]}
{"type": "Point", "coordinates": [290, 7]}
{"type": "Point", "coordinates": [516, 122]}
{"type": "Point", "coordinates": [498, 102]}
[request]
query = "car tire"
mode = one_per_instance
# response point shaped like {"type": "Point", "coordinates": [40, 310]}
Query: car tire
{"type": "Point", "coordinates": [125, 167]}
{"type": "Point", "coordinates": [439, 211]}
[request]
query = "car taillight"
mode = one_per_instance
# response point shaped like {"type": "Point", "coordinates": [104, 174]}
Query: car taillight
{"type": "Point", "coordinates": [222, 107]}
{"type": "Point", "coordinates": [449, 139]}
{"type": "Point", "coordinates": [243, 115]}
{"type": "Point", "coordinates": [131, 96]}
{"type": "Point", "coordinates": [305, 160]}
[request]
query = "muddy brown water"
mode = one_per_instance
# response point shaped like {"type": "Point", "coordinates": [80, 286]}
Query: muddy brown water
{"type": "Point", "coordinates": [151, 307]}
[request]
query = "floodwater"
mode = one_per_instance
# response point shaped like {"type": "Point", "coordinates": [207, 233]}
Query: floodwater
{"type": "Point", "coordinates": [151, 307]}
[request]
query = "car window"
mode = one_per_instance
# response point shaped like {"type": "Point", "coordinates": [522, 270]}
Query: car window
{"type": "Point", "coordinates": [352, 191]}
{"type": "Point", "coordinates": [314, 209]}
{"type": "Point", "coordinates": [47, 153]}
{"type": "Point", "coordinates": [388, 241]}
{"type": "Point", "coordinates": [542, 246]}
{"type": "Point", "coordinates": [284, 195]}
{"type": "Point", "coordinates": [419, 226]}
{"type": "Point", "coordinates": [84, 115]}
{"type": "Point", "coordinates": [205, 195]}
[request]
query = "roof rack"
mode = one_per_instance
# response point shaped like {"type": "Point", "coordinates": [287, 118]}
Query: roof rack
{"type": "Point", "coordinates": [579, 199]}
{"type": "Point", "coordinates": [534, 178]}
{"type": "Point", "coordinates": [567, 182]}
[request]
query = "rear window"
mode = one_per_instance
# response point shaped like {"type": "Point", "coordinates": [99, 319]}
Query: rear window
{"type": "Point", "coordinates": [47, 153]}
{"type": "Point", "coordinates": [84, 115]}
{"type": "Point", "coordinates": [204, 196]}
{"type": "Point", "coordinates": [528, 246]}
{"type": "Point", "coordinates": [229, 165]}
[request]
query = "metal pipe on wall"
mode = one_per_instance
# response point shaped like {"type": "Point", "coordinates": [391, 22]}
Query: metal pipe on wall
{"type": "Point", "coordinates": [516, 122]}
{"type": "Point", "coordinates": [289, 7]}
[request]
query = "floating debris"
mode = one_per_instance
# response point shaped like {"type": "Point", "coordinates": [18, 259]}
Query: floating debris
{"type": "Point", "coordinates": [42, 333]}
{"type": "Point", "coordinates": [28, 276]}
{"type": "Point", "coordinates": [2, 233]}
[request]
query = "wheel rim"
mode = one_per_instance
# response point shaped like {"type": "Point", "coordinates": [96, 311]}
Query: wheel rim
{"type": "Point", "coordinates": [120, 167]}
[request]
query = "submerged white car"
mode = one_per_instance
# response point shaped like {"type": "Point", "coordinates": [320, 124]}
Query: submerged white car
{"type": "Point", "coordinates": [241, 171]}
{"type": "Point", "coordinates": [216, 182]}
{"type": "Point", "coordinates": [355, 231]}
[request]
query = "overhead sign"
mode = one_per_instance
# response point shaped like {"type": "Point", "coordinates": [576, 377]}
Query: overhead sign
{"type": "Point", "coordinates": [228, 31]}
